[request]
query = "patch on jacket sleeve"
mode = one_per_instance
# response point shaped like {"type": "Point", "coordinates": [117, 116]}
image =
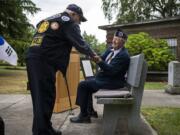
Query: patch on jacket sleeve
{"type": "Point", "coordinates": [43, 27]}
{"type": "Point", "coordinates": [65, 18]}
{"type": "Point", "coordinates": [54, 25]}
{"type": "Point", "coordinates": [37, 41]}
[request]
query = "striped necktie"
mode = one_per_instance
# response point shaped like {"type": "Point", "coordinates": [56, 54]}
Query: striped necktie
{"type": "Point", "coordinates": [108, 60]}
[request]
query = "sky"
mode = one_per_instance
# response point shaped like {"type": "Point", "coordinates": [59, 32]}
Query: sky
{"type": "Point", "coordinates": [92, 11]}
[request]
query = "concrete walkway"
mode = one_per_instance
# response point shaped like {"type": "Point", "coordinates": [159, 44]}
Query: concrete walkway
{"type": "Point", "coordinates": [16, 110]}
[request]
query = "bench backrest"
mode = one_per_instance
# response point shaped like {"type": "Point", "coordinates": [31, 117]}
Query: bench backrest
{"type": "Point", "coordinates": [135, 69]}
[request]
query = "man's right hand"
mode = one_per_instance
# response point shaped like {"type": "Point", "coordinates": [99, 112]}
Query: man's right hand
{"type": "Point", "coordinates": [96, 59]}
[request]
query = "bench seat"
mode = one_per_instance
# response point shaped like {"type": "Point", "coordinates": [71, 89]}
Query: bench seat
{"type": "Point", "coordinates": [114, 97]}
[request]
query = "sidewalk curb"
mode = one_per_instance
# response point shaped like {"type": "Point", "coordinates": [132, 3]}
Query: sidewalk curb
{"type": "Point", "coordinates": [149, 126]}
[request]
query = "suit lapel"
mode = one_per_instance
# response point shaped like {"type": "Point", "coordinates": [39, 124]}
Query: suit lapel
{"type": "Point", "coordinates": [119, 53]}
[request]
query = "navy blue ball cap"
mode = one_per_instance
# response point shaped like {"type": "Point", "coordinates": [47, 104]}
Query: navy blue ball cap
{"type": "Point", "coordinates": [78, 10]}
{"type": "Point", "coordinates": [120, 33]}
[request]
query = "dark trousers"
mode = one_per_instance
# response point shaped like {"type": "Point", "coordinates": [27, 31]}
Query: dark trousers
{"type": "Point", "coordinates": [1, 126]}
{"type": "Point", "coordinates": [84, 95]}
{"type": "Point", "coordinates": [42, 86]}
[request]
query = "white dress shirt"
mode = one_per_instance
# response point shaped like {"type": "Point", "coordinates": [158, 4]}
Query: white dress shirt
{"type": "Point", "coordinates": [115, 53]}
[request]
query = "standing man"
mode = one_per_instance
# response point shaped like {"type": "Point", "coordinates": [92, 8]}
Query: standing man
{"type": "Point", "coordinates": [113, 65]}
{"type": "Point", "coordinates": [49, 52]}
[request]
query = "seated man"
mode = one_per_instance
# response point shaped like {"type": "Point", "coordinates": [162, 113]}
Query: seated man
{"type": "Point", "coordinates": [113, 65]}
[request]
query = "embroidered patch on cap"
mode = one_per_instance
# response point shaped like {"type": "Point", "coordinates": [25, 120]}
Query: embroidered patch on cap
{"type": "Point", "coordinates": [54, 25]}
{"type": "Point", "coordinates": [65, 18]}
{"type": "Point", "coordinates": [43, 27]}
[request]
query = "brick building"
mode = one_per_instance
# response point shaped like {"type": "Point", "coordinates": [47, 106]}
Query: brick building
{"type": "Point", "coordinates": [168, 29]}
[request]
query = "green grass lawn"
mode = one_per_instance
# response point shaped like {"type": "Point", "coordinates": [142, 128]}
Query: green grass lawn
{"type": "Point", "coordinates": [155, 85]}
{"type": "Point", "coordinates": [166, 121]}
{"type": "Point", "coordinates": [13, 81]}
{"type": "Point", "coordinates": [12, 67]}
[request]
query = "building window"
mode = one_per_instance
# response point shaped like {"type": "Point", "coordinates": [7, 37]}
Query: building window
{"type": "Point", "coordinates": [172, 42]}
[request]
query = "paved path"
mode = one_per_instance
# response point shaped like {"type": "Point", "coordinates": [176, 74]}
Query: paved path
{"type": "Point", "coordinates": [160, 98]}
{"type": "Point", "coordinates": [16, 111]}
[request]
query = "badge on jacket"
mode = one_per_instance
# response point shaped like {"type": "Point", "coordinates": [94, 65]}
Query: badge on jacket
{"type": "Point", "coordinates": [54, 25]}
{"type": "Point", "coordinates": [37, 41]}
{"type": "Point", "coordinates": [43, 27]}
{"type": "Point", "coordinates": [65, 18]}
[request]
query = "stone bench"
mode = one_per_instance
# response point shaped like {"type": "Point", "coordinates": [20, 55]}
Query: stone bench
{"type": "Point", "coordinates": [121, 114]}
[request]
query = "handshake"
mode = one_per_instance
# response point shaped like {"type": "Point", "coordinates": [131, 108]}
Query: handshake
{"type": "Point", "coordinates": [96, 58]}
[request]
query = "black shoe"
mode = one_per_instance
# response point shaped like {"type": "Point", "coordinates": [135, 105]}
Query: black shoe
{"type": "Point", "coordinates": [57, 132]}
{"type": "Point", "coordinates": [93, 114]}
{"type": "Point", "coordinates": [80, 119]}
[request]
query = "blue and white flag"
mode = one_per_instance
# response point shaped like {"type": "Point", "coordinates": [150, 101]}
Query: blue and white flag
{"type": "Point", "coordinates": [7, 53]}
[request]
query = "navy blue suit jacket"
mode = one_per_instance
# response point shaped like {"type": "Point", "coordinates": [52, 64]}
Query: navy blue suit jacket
{"type": "Point", "coordinates": [112, 75]}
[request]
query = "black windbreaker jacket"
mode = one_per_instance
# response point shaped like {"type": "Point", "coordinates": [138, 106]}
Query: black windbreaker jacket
{"type": "Point", "coordinates": [54, 39]}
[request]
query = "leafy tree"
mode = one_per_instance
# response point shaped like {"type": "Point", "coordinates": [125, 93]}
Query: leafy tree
{"type": "Point", "coordinates": [14, 25]}
{"type": "Point", "coordinates": [99, 48]}
{"type": "Point", "coordinates": [156, 51]}
{"type": "Point", "coordinates": [138, 10]}
{"type": "Point", "coordinates": [20, 46]}
{"type": "Point", "coordinates": [13, 20]}
{"type": "Point", "coordinates": [94, 43]}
